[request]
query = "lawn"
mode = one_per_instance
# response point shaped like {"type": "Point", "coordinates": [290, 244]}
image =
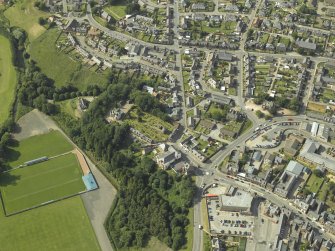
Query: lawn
{"type": "Point", "coordinates": [207, 242]}
{"type": "Point", "coordinates": [33, 185]}
{"type": "Point", "coordinates": [314, 183]}
{"type": "Point", "coordinates": [153, 245]}
{"type": "Point", "coordinates": [70, 107]}
{"type": "Point", "coordinates": [327, 95]}
{"type": "Point", "coordinates": [60, 226]}
{"type": "Point", "coordinates": [59, 66]}
{"type": "Point", "coordinates": [24, 15]}
{"type": "Point", "coordinates": [117, 11]}
{"type": "Point", "coordinates": [50, 144]}
{"type": "Point", "coordinates": [7, 78]}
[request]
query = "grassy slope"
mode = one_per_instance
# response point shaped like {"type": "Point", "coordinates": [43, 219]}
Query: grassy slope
{"type": "Point", "coordinates": [33, 185]}
{"type": "Point", "coordinates": [59, 66]}
{"type": "Point", "coordinates": [60, 226]}
{"type": "Point", "coordinates": [117, 11]}
{"type": "Point", "coordinates": [153, 245]}
{"type": "Point", "coordinates": [49, 144]}
{"type": "Point", "coordinates": [7, 78]}
{"type": "Point", "coordinates": [23, 14]}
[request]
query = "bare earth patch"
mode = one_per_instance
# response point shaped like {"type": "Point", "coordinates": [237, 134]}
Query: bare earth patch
{"type": "Point", "coordinates": [34, 123]}
{"type": "Point", "coordinates": [249, 105]}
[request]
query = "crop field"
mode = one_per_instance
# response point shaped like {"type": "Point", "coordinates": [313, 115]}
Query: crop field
{"type": "Point", "coordinates": [50, 144]}
{"type": "Point", "coordinates": [60, 226]}
{"type": "Point", "coordinates": [7, 78]}
{"type": "Point", "coordinates": [33, 185]}
{"type": "Point", "coordinates": [44, 51]}
{"type": "Point", "coordinates": [24, 15]}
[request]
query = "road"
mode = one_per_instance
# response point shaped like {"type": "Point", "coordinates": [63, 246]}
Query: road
{"type": "Point", "coordinates": [217, 159]}
{"type": "Point", "coordinates": [198, 233]}
{"type": "Point", "coordinates": [282, 202]}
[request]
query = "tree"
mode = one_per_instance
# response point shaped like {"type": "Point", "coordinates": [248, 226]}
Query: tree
{"type": "Point", "coordinates": [318, 173]}
{"type": "Point", "coordinates": [132, 8]}
{"type": "Point", "coordinates": [42, 21]}
{"type": "Point", "coordinates": [259, 114]}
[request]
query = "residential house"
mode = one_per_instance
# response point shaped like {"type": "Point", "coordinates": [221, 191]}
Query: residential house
{"type": "Point", "coordinates": [165, 159]}
{"type": "Point", "coordinates": [198, 6]}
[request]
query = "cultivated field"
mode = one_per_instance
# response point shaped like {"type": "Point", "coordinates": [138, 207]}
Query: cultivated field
{"type": "Point", "coordinates": [50, 144]}
{"type": "Point", "coordinates": [66, 70]}
{"type": "Point", "coordinates": [24, 15]}
{"type": "Point", "coordinates": [60, 226]}
{"type": "Point", "coordinates": [33, 185]}
{"type": "Point", "coordinates": [7, 78]}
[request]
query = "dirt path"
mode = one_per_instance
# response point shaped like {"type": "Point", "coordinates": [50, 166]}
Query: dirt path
{"type": "Point", "coordinates": [97, 202]}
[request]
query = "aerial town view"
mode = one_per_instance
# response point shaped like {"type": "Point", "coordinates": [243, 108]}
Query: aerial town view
{"type": "Point", "coordinates": [167, 125]}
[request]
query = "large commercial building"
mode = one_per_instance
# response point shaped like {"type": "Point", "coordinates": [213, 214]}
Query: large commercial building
{"type": "Point", "coordinates": [236, 200]}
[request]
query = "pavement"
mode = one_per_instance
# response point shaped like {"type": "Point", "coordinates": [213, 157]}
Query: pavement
{"type": "Point", "coordinates": [98, 204]}
{"type": "Point", "coordinates": [95, 202]}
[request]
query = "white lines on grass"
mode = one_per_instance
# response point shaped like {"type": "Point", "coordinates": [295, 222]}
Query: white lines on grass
{"type": "Point", "coordinates": [43, 190]}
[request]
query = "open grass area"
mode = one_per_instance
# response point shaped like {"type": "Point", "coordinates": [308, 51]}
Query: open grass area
{"type": "Point", "coordinates": [60, 226]}
{"type": "Point", "coordinates": [207, 242]}
{"type": "Point", "coordinates": [117, 11]}
{"type": "Point", "coordinates": [58, 65]}
{"type": "Point", "coordinates": [204, 215]}
{"type": "Point", "coordinates": [314, 183]}
{"type": "Point", "coordinates": [70, 107]}
{"type": "Point", "coordinates": [153, 245]}
{"type": "Point", "coordinates": [33, 185]}
{"type": "Point", "coordinates": [24, 15]}
{"type": "Point", "coordinates": [246, 126]}
{"type": "Point", "coordinates": [7, 78]}
{"type": "Point", "coordinates": [50, 144]}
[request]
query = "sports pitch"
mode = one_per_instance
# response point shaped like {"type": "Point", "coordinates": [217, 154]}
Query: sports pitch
{"type": "Point", "coordinates": [49, 144]}
{"type": "Point", "coordinates": [59, 226]}
{"type": "Point", "coordinates": [34, 185]}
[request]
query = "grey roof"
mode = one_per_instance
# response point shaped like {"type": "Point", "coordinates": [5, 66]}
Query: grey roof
{"type": "Point", "coordinates": [257, 156]}
{"type": "Point", "coordinates": [306, 45]}
{"type": "Point", "coordinates": [294, 167]}
{"type": "Point", "coordinates": [225, 56]}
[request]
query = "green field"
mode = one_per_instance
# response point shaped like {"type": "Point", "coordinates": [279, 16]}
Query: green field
{"type": "Point", "coordinates": [32, 185]}
{"type": "Point", "coordinates": [117, 11]}
{"type": "Point", "coordinates": [59, 226]}
{"type": "Point", "coordinates": [24, 15]}
{"type": "Point", "coordinates": [7, 78]}
{"type": "Point", "coordinates": [58, 65]}
{"type": "Point", "coordinates": [50, 144]}
{"type": "Point", "coordinates": [314, 183]}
